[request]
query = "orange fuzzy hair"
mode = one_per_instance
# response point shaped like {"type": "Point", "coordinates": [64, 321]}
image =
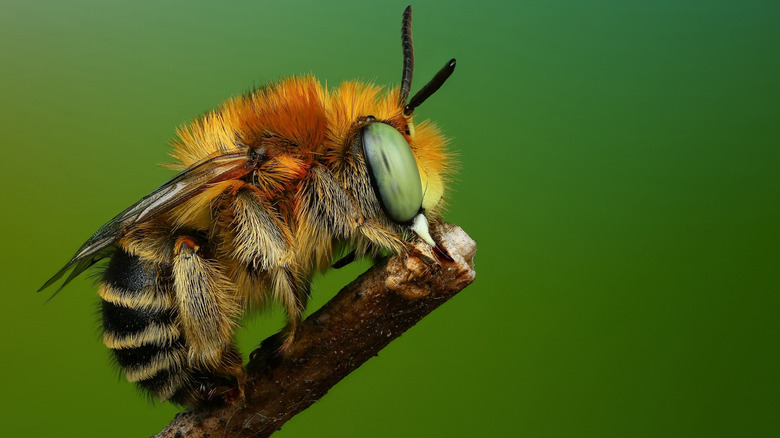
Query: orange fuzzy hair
{"type": "Point", "coordinates": [308, 123]}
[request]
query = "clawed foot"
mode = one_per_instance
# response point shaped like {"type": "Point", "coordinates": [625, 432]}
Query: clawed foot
{"type": "Point", "coordinates": [269, 354]}
{"type": "Point", "coordinates": [410, 275]}
{"type": "Point", "coordinates": [442, 254]}
{"type": "Point", "coordinates": [214, 388]}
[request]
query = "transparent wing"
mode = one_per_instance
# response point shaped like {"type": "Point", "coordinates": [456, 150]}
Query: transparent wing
{"type": "Point", "coordinates": [180, 188]}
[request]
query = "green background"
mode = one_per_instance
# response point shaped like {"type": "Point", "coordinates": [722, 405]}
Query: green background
{"type": "Point", "coordinates": [619, 170]}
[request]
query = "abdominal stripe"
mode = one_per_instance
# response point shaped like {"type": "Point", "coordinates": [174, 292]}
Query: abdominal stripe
{"type": "Point", "coordinates": [124, 321]}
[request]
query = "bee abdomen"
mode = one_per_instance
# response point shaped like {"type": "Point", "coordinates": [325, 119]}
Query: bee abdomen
{"type": "Point", "coordinates": [139, 325]}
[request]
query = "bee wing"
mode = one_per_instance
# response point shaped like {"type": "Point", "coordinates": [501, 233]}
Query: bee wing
{"type": "Point", "coordinates": [189, 182]}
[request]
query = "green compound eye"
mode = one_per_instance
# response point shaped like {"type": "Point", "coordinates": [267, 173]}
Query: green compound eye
{"type": "Point", "coordinates": [393, 170]}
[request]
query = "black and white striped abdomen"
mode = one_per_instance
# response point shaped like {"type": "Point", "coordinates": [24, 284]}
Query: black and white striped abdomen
{"type": "Point", "coordinates": [139, 325]}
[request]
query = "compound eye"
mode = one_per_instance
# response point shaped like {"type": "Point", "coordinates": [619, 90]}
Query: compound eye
{"type": "Point", "coordinates": [394, 172]}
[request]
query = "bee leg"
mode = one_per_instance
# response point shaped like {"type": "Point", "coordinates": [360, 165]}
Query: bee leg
{"type": "Point", "coordinates": [293, 294]}
{"type": "Point", "coordinates": [420, 253]}
{"type": "Point", "coordinates": [261, 242]}
{"type": "Point", "coordinates": [208, 309]}
{"type": "Point", "coordinates": [232, 365]}
{"type": "Point", "coordinates": [383, 237]}
{"type": "Point", "coordinates": [267, 354]}
{"type": "Point", "coordinates": [210, 387]}
{"type": "Point", "coordinates": [344, 261]}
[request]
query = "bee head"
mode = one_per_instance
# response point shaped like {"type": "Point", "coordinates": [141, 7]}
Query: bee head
{"type": "Point", "coordinates": [394, 171]}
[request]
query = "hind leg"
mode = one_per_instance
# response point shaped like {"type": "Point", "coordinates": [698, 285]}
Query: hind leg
{"type": "Point", "coordinates": [208, 307]}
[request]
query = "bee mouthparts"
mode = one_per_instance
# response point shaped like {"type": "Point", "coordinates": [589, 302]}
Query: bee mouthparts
{"type": "Point", "coordinates": [420, 226]}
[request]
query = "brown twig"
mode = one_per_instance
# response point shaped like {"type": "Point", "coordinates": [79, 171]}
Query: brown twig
{"type": "Point", "coordinates": [354, 326]}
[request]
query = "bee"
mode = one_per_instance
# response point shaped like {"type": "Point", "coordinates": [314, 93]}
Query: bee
{"type": "Point", "coordinates": [272, 186]}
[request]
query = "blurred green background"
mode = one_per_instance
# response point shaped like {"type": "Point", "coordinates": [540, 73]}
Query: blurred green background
{"type": "Point", "coordinates": [620, 172]}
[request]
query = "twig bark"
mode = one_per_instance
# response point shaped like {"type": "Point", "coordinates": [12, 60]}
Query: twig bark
{"type": "Point", "coordinates": [354, 326]}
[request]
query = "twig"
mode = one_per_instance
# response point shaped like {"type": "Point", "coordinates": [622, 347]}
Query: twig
{"type": "Point", "coordinates": [354, 326]}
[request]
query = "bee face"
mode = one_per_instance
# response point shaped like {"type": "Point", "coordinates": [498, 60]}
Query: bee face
{"type": "Point", "coordinates": [269, 184]}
